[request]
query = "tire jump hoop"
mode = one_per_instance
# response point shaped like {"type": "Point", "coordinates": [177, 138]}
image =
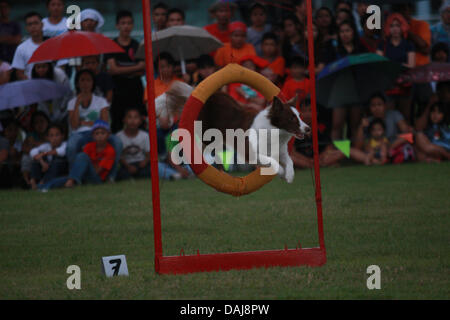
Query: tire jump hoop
{"type": "Point", "coordinates": [221, 181]}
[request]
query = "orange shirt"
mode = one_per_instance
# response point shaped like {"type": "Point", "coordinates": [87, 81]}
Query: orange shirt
{"type": "Point", "coordinates": [103, 159]}
{"type": "Point", "coordinates": [160, 87]}
{"type": "Point", "coordinates": [227, 54]}
{"type": "Point", "coordinates": [223, 36]}
{"type": "Point", "coordinates": [293, 87]}
{"type": "Point", "coordinates": [422, 29]}
{"type": "Point", "coordinates": [278, 66]}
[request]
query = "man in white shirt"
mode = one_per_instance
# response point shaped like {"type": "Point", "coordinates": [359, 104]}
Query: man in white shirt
{"type": "Point", "coordinates": [33, 25]}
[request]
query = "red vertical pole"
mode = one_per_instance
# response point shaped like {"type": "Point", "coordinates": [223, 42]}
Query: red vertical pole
{"type": "Point", "coordinates": [312, 73]}
{"type": "Point", "coordinates": [152, 132]}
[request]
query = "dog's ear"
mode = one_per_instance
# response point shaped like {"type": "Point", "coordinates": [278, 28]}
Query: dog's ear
{"type": "Point", "coordinates": [277, 105]}
{"type": "Point", "coordinates": [293, 101]}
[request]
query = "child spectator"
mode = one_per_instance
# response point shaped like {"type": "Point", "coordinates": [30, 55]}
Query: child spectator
{"type": "Point", "coordinates": [292, 37]}
{"type": "Point", "coordinates": [55, 23]}
{"type": "Point", "coordinates": [160, 16]}
{"type": "Point", "coordinates": [222, 12]}
{"type": "Point", "coordinates": [243, 94]}
{"type": "Point", "coordinates": [259, 26]}
{"type": "Point", "coordinates": [97, 159]}
{"type": "Point", "coordinates": [165, 64]}
{"type": "Point", "coordinates": [205, 68]}
{"type": "Point", "coordinates": [104, 82]}
{"type": "Point", "coordinates": [271, 53]}
{"type": "Point", "coordinates": [126, 71]}
{"type": "Point", "coordinates": [377, 146]}
{"type": "Point", "coordinates": [10, 31]}
{"type": "Point", "coordinates": [135, 158]}
{"type": "Point", "coordinates": [33, 25]}
{"type": "Point", "coordinates": [297, 84]}
{"type": "Point", "coordinates": [10, 155]}
{"type": "Point", "coordinates": [49, 159]}
{"type": "Point", "coordinates": [237, 48]}
{"type": "Point", "coordinates": [175, 17]}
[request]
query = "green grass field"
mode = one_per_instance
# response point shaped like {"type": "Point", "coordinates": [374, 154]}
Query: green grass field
{"type": "Point", "coordinates": [396, 217]}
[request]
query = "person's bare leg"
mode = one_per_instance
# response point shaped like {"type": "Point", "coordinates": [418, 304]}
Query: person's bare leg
{"type": "Point", "coordinates": [70, 183]}
{"type": "Point", "coordinates": [338, 123]}
{"type": "Point", "coordinates": [431, 150]}
{"type": "Point", "coordinates": [301, 161]}
{"type": "Point", "coordinates": [355, 120]}
{"type": "Point", "coordinates": [359, 156]}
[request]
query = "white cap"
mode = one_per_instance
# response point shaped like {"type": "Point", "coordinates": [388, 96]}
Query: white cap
{"type": "Point", "coordinates": [94, 15]}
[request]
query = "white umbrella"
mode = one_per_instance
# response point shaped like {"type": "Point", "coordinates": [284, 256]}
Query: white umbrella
{"type": "Point", "coordinates": [182, 42]}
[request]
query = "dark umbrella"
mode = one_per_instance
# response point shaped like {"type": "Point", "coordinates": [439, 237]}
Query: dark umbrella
{"type": "Point", "coordinates": [434, 71]}
{"type": "Point", "coordinates": [25, 92]}
{"type": "Point", "coordinates": [72, 44]}
{"type": "Point", "coordinates": [355, 78]}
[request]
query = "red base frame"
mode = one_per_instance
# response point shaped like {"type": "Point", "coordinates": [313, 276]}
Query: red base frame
{"type": "Point", "coordinates": [312, 257]}
{"type": "Point", "coordinates": [235, 260]}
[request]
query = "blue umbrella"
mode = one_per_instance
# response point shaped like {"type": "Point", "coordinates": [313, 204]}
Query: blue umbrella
{"type": "Point", "coordinates": [25, 92]}
{"type": "Point", "coordinates": [355, 78]}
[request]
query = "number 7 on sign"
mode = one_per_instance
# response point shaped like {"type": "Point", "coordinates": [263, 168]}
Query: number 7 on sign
{"type": "Point", "coordinates": [116, 268]}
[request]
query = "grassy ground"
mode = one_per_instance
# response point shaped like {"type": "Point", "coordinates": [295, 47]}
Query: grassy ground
{"type": "Point", "coordinates": [396, 217]}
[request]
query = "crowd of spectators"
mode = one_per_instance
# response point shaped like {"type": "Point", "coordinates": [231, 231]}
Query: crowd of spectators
{"type": "Point", "coordinates": [98, 133]}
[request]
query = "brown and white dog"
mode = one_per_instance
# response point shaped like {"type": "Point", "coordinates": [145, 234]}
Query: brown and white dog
{"type": "Point", "coordinates": [222, 112]}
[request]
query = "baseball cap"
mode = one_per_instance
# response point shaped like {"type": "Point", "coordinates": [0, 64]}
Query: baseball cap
{"type": "Point", "coordinates": [100, 124]}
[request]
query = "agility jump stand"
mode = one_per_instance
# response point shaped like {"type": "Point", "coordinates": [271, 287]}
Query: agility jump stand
{"type": "Point", "coordinates": [221, 181]}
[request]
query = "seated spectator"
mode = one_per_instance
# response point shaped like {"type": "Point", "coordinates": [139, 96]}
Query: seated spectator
{"type": "Point", "coordinates": [10, 33]}
{"type": "Point", "coordinates": [244, 95]}
{"type": "Point", "coordinates": [56, 23]}
{"type": "Point", "coordinates": [394, 122]}
{"type": "Point", "coordinates": [271, 53]}
{"type": "Point", "coordinates": [135, 158]}
{"type": "Point", "coordinates": [326, 24]}
{"type": "Point", "coordinates": [297, 84]}
{"type": "Point", "coordinates": [91, 20]}
{"type": "Point", "coordinates": [160, 16]}
{"type": "Point", "coordinates": [49, 159]}
{"type": "Point", "coordinates": [377, 146]}
{"type": "Point", "coordinates": [95, 163]}
{"type": "Point", "coordinates": [441, 31]}
{"type": "Point", "coordinates": [126, 71]}
{"type": "Point", "coordinates": [259, 26]}
{"type": "Point", "coordinates": [104, 82]}
{"type": "Point", "coordinates": [323, 51]}
{"type": "Point", "coordinates": [55, 109]}
{"type": "Point", "coordinates": [175, 17]}
{"type": "Point", "coordinates": [236, 48]}
{"type": "Point", "coordinates": [222, 12]}
{"type": "Point", "coordinates": [10, 155]}
{"type": "Point", "coordinates": [165, 64]}
{"type": "Point", "coordinates": [205, 68]}
{"type": "Point", "coordinates": [440, 52]}
{"type": "Point", "coordinates": [5, 72]}
{"type": "Point", "coordinates": [84, 110]}
{"type": "Point", "coordinates": [433, 143]}
{"type": "Point", "coordinates": [33, 25]}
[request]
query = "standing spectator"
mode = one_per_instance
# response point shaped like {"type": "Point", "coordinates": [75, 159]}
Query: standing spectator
{"type": "Point", "coordinates": [297, 84]}
{"type": "Point", "coordinates": [301, 12]}
{"type": "Point", "coordinates": [222, 12]}
{"type": "Point", "coordinates": [441, 30]}
{"type": "Point", "coordinates": [326, 24]}
{"type": "Point", "coordinates": [56, 22]}
{"type": "Point", "coordinates": [10, 33]}
{"type": "Point", "coordinates": [33, 25]}
{"type": "Point", "coordinates": [126, 71]}
{"type": "Point", "coordinates": [84, 110]}
{"type": "Point", "coordinates": [370, 38]}
{"type": "Point", "coordinates": [91, 20]}
{"type": "Point", "coordinates": [10, 155]}
{"type": "Point", "coordinates": [342, 5]}
{"type": "Point", "coordinates": [259, 26]}
{"type": "Point", "coordinates": [236, 48]}
{"type": "Point", "coordinates": [205, 68]}
{"type": "Point", "coordinates": [175, 17]}
{"type": "Point", "coordinates": [49, 159]}
{"type": "Point", "coordinates": [104, 83]}
{"type": "Point", "coordinates": [271, 52]}
{"type": "Point", "coordinates": [160, 16]}
{"type": "Point", "coordinates": [292, 37]}
{"type": "Point", "coordinates": [55, 109]}
{"type": "Point", "coordinates": [345, 15]}
{"type": "Point", "coordinates": [359, 11]}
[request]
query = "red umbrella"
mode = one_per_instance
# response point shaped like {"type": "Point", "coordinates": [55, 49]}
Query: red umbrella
{"type": "Point", "coordinates": [74, 44]}
{"type": "Point", "coordinates": [434, 71]}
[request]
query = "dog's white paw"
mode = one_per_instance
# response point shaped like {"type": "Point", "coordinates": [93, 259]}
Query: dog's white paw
{"type": "Point", "coordinates": [289, 176]}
